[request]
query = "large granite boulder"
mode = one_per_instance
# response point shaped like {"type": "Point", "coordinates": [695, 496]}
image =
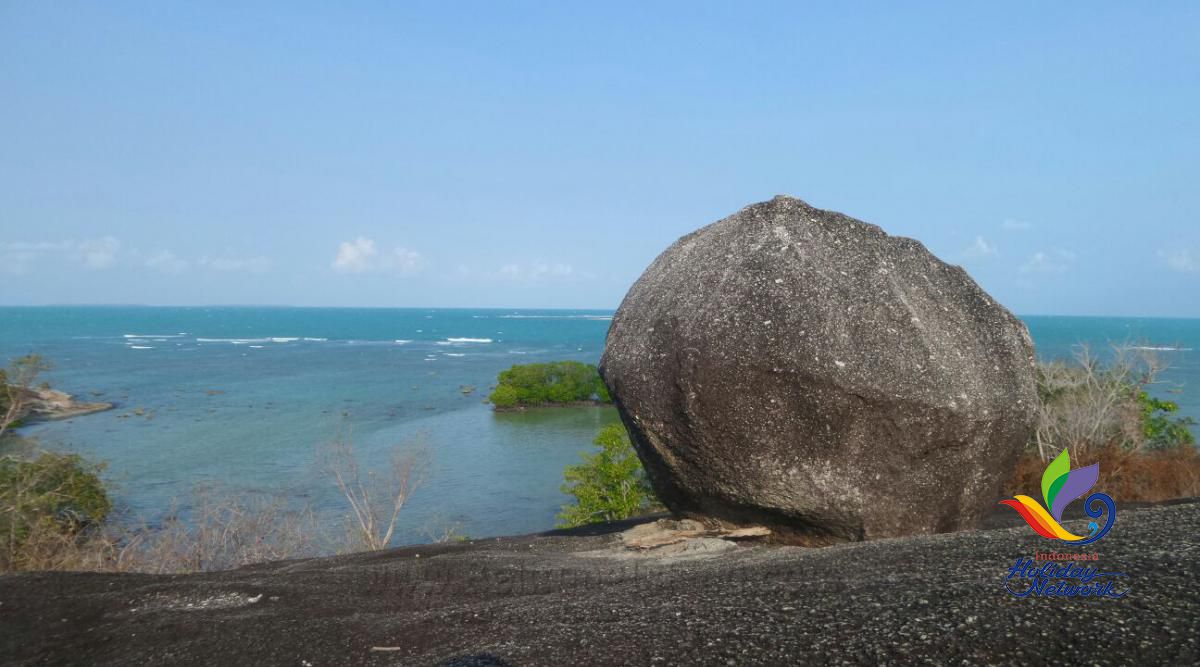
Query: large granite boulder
{"type": "Point", "coordinates": [800, 369]}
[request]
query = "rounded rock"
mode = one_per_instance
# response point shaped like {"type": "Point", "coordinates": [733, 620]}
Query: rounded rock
{"type": "Point", "coordinates": [800, 369]}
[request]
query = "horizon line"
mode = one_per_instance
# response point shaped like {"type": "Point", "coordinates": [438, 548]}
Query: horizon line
{"type": "Point", "coordinates": [608, 309]}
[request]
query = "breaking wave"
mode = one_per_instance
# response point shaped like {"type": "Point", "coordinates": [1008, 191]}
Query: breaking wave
{"type": "Point", "coordinates": [1159, 348]}
{"type": "Point", "coordinates": [555, 317]}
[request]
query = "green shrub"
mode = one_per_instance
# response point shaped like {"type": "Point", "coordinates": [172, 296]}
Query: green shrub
{"type": "Point", "coordinates": [1161, 429]}
{"type": "Point", "coordinates": [608, 485]}
{"type": "Point", "coordinates": [551, 383]}
{"type": "Point", "coordinates": [58, 491]}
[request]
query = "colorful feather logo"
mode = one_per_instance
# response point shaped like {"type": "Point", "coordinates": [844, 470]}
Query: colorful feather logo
{"type": "Point", "coordinates": [1061, 486]}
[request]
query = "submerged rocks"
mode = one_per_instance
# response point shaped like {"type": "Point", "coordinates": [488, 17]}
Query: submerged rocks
{"type": "Point", "coordinates": [800, 369]}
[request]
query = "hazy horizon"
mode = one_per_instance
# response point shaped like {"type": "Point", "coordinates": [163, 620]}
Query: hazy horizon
{"type": "Point", "coordinates": [501, 308]}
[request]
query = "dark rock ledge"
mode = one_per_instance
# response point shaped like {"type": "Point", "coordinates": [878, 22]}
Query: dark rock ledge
{"type": "Point", "coordinates": [575, 597]}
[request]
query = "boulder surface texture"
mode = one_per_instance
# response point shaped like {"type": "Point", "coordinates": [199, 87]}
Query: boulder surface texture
{"type": "Point", "coordinates": [803, 370]}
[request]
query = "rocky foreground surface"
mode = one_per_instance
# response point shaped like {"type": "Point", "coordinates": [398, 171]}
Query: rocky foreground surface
{"type": "Point", "coordinates": [582, 597]}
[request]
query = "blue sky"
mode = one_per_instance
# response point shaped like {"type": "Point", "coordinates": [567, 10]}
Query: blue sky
{"type": "Point", "coordinates": [542, 154]}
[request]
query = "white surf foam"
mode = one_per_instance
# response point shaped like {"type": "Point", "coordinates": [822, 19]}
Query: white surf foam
{"type": "Point", "coordinates": [1159, 348]}
{"type": "Point", "coordinates": [141, 347]}
{"type": "Point", "coordinates": [468, 340]}
{"type": "Point", "coordinates": [556, 317]}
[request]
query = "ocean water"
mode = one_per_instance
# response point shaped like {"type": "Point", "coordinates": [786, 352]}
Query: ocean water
{"type": "Point", "coordinates": [244, 398]}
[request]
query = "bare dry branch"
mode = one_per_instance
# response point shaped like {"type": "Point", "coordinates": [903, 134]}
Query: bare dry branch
{"type": "Point", "coordinates": [376, 499]}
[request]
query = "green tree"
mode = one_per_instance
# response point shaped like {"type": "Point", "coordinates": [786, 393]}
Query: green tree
{"type": "Point", "coordinates": [558, 382]}
{"type": "Point", "coordinates": [609, 485]}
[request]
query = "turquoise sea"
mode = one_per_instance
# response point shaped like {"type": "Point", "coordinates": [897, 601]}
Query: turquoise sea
{"type": "Point", "coordinates": [243, 397]}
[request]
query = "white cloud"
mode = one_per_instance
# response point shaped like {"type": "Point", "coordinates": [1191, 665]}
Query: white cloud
{"type": "Point", "coordinates": [525, 273]}
{"type": "Point", "coordinates": [406, 261]}
{"type": "Point", "coordinates": [1179, 260]}
{"type": "Point", "coordinates": [535, 271]}
{"type": "Point", "coordinates": [1057, 261]}
{"type": "Point", "coordinates": [166, 262]}
{"type": "Point", "coordinates": [1016, 225]}
{"type": "Point", "coordinates": [979, 249]}
{"type": "Point", "coordinates": [22, 256]}
{"type": "Point", "coordinates": [355, 256]}
{"type": "Point", "coordinates": [539, 270]}
{"type": "Point", "coordinates": [98, 253]}
{"type": "Point", "coordinates": [227, 263]}
{"type": "Point", "coordinates": [361, 255]}
{"type": "Point", "coordinates": [38, 246]}
{"type": "Point", "coordinates": [19, 257]}
{"type": "Point", "coordinates": [106, 252]}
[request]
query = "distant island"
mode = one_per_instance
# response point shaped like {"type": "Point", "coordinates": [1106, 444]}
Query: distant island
{"type": "Point", "coordinates": [553, 384]}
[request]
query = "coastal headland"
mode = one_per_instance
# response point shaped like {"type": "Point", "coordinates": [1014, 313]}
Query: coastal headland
{"type": "Point", "coordinates": [52, 404]}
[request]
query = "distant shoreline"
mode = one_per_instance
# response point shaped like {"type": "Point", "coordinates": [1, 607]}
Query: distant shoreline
{"type": "Point", "coordinates": [610, 310]}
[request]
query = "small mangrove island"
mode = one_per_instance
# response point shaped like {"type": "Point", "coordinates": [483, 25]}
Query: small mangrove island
{"type": "Point", "coordinates": [552, 384]}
